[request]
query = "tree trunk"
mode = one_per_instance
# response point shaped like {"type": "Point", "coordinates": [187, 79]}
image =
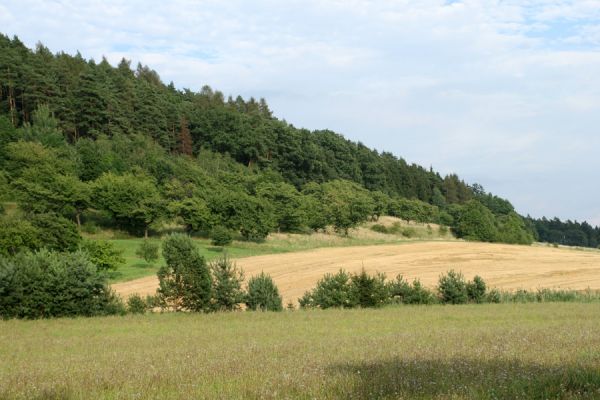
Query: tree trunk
{"type": "Point", "coordinates": [78, 219]}
{"type": "Point", "coordinates": [146, 233]}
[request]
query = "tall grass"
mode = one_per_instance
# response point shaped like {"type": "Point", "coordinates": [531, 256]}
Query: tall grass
{"type": "Point", "coordinates": [494, 351]}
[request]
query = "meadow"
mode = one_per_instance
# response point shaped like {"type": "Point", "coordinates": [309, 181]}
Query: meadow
{"type": "Point", "coordinates": [503, 351]}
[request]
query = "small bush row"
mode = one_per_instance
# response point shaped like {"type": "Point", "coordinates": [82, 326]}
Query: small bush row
{"type": "Point", "coordinates": [345, 290]}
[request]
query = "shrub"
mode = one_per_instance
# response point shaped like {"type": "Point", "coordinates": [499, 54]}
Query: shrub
{"type": "Point", "coordinates": [221, 236]}
{"type": "Point", "coordinates": [227, 292]}
{"type": "Point", "coordinates": [56, 232]}
{"type": "Point", "coordinates": [379, 228]}
{"type": "Point", "coordinates": [184, 282]}
{"type": "Point", "coordinates": [409, 232]}
{"type": "Point", "coordinates": [136, 305]}
{"type": "Point", "coordinates": [102, 254]}
{"type": "Point", "coordinates": [368, 290]}
{"type": "Point", "coordinates": [51, 284]}
{"type": "Point", "coordinates": [418, 294]}
{"type": "Point", "coordinates": [452, 288]}
{"type": "Point", "coordinates": [493, 296]}
{"type": "Point", "coordinates": [443, 230]}
{"type": "Point", "coordinates": [476, 290]}
{"type": "Point", "coordinates": [17, 234]}
{"type": "Point", "coordinates": [90, 227]}
{"type": "Point", "coordinates": [263, 294]}
{"type": "Point", "coordinates": [148, 251]}
{"type": "Point", "coordinates": [333, 290]}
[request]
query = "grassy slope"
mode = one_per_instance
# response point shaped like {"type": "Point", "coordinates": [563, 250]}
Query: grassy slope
{"type": "Point", "coordinates": [459, 352]}
{"type": "Point", "coordinates": [276, 243]}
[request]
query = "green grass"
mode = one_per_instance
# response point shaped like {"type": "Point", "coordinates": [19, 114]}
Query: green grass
{"type": "Point", "coordinates": [508, 351]}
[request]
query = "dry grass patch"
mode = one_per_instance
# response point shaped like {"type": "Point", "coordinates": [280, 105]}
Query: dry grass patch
{"type": "Point", "coordinates": [503, 266]}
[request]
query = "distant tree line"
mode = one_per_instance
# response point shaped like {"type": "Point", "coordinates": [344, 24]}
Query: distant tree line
{"type": "Point", "coordinates": [568, 233]}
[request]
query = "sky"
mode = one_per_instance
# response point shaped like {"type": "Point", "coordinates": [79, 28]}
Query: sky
{"type": "Point", "coordinates": [504, 93]}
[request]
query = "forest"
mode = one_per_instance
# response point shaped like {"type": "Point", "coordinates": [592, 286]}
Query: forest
{"type": "Point", "coordinates": [86, 145]}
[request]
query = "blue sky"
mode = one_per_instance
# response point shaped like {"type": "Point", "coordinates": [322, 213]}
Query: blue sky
{"type": "Point", "coordinates": [504, 93]}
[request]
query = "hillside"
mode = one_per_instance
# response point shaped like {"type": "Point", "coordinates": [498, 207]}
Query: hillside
{"type": "Point", "coordinates": [108, 147]}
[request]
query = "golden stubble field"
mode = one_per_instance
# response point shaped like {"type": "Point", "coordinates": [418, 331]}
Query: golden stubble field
{"type": "Point", "coordinates": [502, 266]}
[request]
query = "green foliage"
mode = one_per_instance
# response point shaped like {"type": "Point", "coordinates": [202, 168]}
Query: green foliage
{"type": "Point", "coordinates": [18, 234]}
{"type": "Point", "coordinates": [367, 290]}
{"type": "Point", "coordinates": [148, 251]}
{"type": "Point", "coordinates": [56, 232]}
{"type": "Point", "coordinates": [413, 210]}
{"type": "Point", "coordinates": [512, 229]}
{"type": "Point", "coordinates": [452, 288]}
{"type": "Point", "coordinates": [136, 305]}
{"type": "Point", "coordinates": [50, 284]}
{"type": "Point", "coordinates": [102, 254]}
{"type": "Point", "coordinates": [288, 213]}
{"type": "Point", "coordinates": [476, 222]}
{"type": "Point", "coordinates": [262, 294]}
{"type": "Point", "coordinates": [476, 290]}
{"type": "Point", "coordinates": [220, 236]}
{"type": "Point", "coordinates": [400, 291]}
{"type": "Point", "coordinates": [347, 204]}
{"type": "Point", "coordinates": [184, 282]}
{"type": "Point", "coordinates": [331, 291]}
{"type": "Point", "coordinates": [195, 214]}
{"type": "Point", "coordinates": [227, 292]}
{"type": "Point", "coordinates": [134, 201]}
{"type": "Point", "coordinates": [44, 129]}
{"type": "Point", "coordinates": [379, 228]}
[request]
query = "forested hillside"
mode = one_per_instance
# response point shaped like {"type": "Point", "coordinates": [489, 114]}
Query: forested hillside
{"type": "Point", "coordinates": [88, 144]}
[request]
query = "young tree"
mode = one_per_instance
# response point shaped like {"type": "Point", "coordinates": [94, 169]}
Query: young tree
{"type": "Point", "coordinates": [262, 294]}
{"type": "Point", "coordinates": [227, 285]}
{"type": "Point", "coordinates": [184, 282]}
{"type": "Point", "coordinates": [348, 204]}
{"type": "Point", "coordinates": [148, 251]}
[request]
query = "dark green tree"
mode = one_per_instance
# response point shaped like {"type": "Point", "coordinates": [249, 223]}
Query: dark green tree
{"type": "Point", "coordinates": [184, 282]}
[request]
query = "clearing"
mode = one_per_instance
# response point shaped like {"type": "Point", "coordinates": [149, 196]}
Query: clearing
{"type": "Point", "coordinates": [503, 266]}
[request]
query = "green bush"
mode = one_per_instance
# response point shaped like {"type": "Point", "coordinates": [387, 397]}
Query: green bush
{"type": "Point", "coordinates": [227, 292]}
{"type": "Point", "coordinates": [409, 232]}
{"type": "Point", "coordinates": [476, 290]}
{"type": "Point", "coordinates": [17, 234]}
{"type": "Point", "coordinates": [90, 227]}
{"type": "Point", "coordinates": [420, 294]}
{"type": "Point", "coordinates": [368, 290]}
{"type": "Point", "coordinates": [333, 290]}
{"type": "Point", "coordinates": [136, 305]}
{"type": "Point", "coordinates": [184, 282]}
{"type": "Point", "coordinates": [220, 236]}
{"type": "Point", "coordinates": [102, 254]}
{"type": "Point", "coordinates": [262, 294]}
{"type": "Point", "coordinates": [51, 284]}
{"type": "Point", "coordinates": [56, 232]}
{"type": "Point", "coordinates": [379, 228]}
{"type": "Point", "coordinates": [493, 296]}
{"type": "Point", "coordinates": [148, 251]}
{"type": "Point", "coordinates": [452, 288]}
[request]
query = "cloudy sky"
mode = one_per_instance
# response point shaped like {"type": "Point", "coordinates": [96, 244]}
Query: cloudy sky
{"type": "Point", "coordinates": [504, 93]}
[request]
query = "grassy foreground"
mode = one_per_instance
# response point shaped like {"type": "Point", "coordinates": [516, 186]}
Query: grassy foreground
{"type": "Point", "coordinates": [539, 351]}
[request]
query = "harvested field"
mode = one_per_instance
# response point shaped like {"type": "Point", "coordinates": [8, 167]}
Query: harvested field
{"type": "Point", "coordinates": [503, 266]}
